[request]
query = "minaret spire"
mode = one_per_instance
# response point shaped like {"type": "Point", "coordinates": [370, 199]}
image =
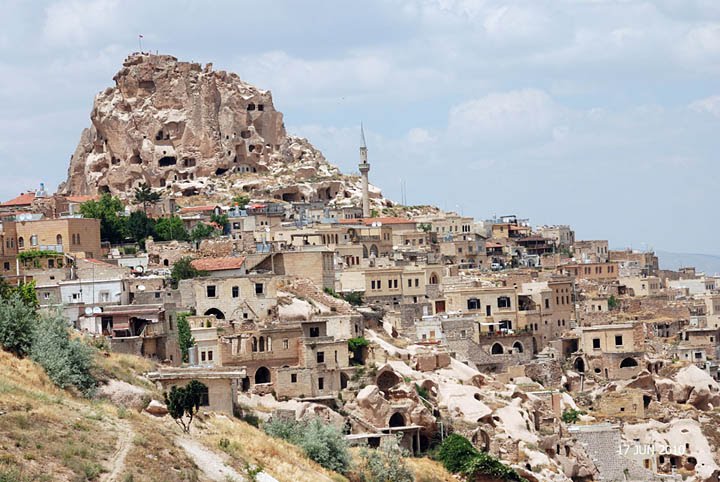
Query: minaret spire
{"type": "Point", "coordinates": [364, 167]}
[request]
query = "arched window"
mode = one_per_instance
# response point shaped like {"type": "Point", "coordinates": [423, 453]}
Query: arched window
{"type": "Point", "coordinates": [518, 347]}
{"type": "Point", "coordinates": [33, 240]}
{"type": "Point", "coordinates": [628, 362]}
{"type": "Point", "coordinates": [262, 375]}
{"type": "Point", "coordinates": [21, 242]}
{"type": "Point", "coordinates": [397, 420]}
{"type": "Point", "coordinates": [433, 279]}
{"type": "Point", "coordinates": [262, 343]}
{"type": "Point", "coordinates": [254, 344]}
{"type": "Point", "coordinates": [497, 349]}
{"type": "Point", "coordinates": [269, 344]}
{"type": "Point", "coordinates": [579, 365]}
{"type": "Point", "coordinates": [58, 239]}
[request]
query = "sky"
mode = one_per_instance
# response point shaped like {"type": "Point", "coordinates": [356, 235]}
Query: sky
{"type": "Point", "coordinates": [600, 114]}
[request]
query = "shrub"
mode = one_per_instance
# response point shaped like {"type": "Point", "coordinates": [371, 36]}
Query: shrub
{"type": "Point", "coordinates": [183, 403]}
{"type": "Point", "coordinates": [68, 363]}
{"type": "Point", "coordinates": [355, 298]}
{"type": "Point", "coordinates": [485, 464]}
{"type": "Point", "coordinates": [321, 442]}
{"type": "Point", "coordinates": [183, 269]}
{"type": "Point", "coordinates": [356, 345]}
{"type": "Point", "coordinates": [613, 302]}
{"type": "Point", "coordinates": [384, 463]}
{"type": "Point", "coordinates": [570, 415]}
{"type": "Point", "coordinates": [16, 324]}
{"type": "Point", "coordinates": [455, 452]}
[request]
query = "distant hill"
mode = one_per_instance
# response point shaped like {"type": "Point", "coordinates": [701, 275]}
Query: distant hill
{"type": "Point", "coordinates": [707, 263]}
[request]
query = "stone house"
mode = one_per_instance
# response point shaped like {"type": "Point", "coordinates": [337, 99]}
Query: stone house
{"type": "Point", "coordinates": [613, 352]}
{"type": "Point", "coordinates": [642, 285]}
{"type": "Point", "coordinates": [75, 236]}
{"type": "Point", "coordinates": [222, 385]}
{"type": "Point", "coordinates": [250, 297]}
{"type": "Point", "coordinates": [591, 271]}
{"type": "Point", "coordinates": [592, 251]}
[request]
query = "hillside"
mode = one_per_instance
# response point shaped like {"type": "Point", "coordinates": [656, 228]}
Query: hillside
{"type": "Point", "coordinates": [50, 434]}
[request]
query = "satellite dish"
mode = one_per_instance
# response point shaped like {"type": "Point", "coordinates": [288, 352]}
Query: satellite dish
{"type": "Point", "coordinates": [139, 269]}
{"type": "Point", "coordinates": [88, 311]}
{"type": "Point", "coordinates": [141, 288]}
{"type": "Point", "coordinates": [97, 310]}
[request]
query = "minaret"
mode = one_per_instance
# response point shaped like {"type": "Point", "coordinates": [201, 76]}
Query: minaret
{"type": "Point", "coordinates": [364, 170]}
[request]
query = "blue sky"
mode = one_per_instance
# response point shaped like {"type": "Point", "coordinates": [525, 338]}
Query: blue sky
{"type": "Point", "coordinates": [595, 113]}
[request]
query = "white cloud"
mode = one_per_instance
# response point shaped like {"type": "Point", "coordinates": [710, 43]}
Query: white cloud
{"type": "Point", "coordinates": [516, 115]}
{"type": "Point", "coordinates": [709, 105]}
{"type": "Point", "coordinates": [75, 22]}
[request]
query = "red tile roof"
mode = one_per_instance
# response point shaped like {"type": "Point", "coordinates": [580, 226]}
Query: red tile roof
{"type": "Point", "coordinates": [24, 199]}
{"type": "Point", "coordinates": [218, 264]}
{"type": "Point", "coordinates": [370, 221]}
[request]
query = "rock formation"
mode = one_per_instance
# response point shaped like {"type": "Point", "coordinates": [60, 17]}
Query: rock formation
{"type": "Point", "coordinates": [188, 129]}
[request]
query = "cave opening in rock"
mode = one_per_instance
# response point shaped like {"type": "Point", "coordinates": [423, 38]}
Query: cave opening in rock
{"type": "Point", "coordinates": [167, 161]}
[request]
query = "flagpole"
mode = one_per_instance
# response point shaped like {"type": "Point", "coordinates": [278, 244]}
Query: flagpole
{"type": "Point", "coordinates": [140, 42]}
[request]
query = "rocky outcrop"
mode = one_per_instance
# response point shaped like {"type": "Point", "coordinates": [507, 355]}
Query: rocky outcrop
{"type": "Point", "coordinates": [188, 129]}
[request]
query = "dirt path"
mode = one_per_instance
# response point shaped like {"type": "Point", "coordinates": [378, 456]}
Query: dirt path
{"type": "Point", "coordinates": [212, 464]}
{"type": "Point", "coordinates": [117, 461]}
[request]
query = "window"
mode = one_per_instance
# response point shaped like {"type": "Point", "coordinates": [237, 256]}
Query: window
{"type": "Point", "coordinates": [547, 304]}
{"type": "Point", "coordinates": [21, 242]}
{"type": "Point", "coordinates": [596, 343]}
{"type": "Point", "coordinates": [235, 291]}
{"type": "Point", "coordinates": [314, 331]}
{"type": "Point", "coordinates": [618, 340]}
{"type": "Point", "coordinates": [417, 282]}
{"type": "Point", "coordinates": [6, 266]}
{"type": "Point", "coordinates": [463, 334]}
{"type": "Point", "coordinates": [46, 295]}
{"type": "Point", "coordinates": [372, 284]}
{"type": "Point", "coordinates": [321, 383]}
{"type": "Point", "coordinates": [409, 283]}
{"type": "Point", "coordinates": [211, 291]}
{"type": "Point", "coordinates": [51, 263]}
{"type": "Point", "coordinates": [503, 302]}
{"type": "Point", "coordinates": [33, 240]}
{"type": "Point", "coordinates": [320, 357]}
{"type": "Point", "coordinates": [473, 304]}
{"type": "Point", "coordinates": [202, 356]}
{"type": "Point", "coordinates": [293, 378]}
{"type": "Point", "coordinates": [259, 288]}
{"type": "Point", "coordinates": [204, 396]}
{"type": "Point", "coordinates": [210, 355]}
{"type": "Point", "coordinates": [286, 344]}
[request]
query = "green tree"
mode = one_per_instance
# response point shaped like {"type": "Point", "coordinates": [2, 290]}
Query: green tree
{"type": "Point", "coordinates": [171, 228]}
{"type": "Point", "coordinates": [425, 227]}
{"type": "Point", "coordinates": [455, 452]}
{"type": "Point", "coordinates": [484, 464]}
{"type": "Point", "coordinates": [106, 209]}
{"type": "Point", "coordinates": [185, 338]}
{"type": "Point", "coordinates": [25, 290]}
{"type": "Point", "coordinates": [202, 231]}
{"type": "Point", "coordinates": [183, 269]}
{"type": "Point", "coordinates": [145, 195]}
{"type": "Point", "coordinates": [183, 403]}
{"type": "Point", "coordinates": [17, 319]}
{"type": "Point", "coordinates": [356, 345]}
{"type": "Point", "coordinates": [355, 298]}
{"type": "Point", "coordinates": [571, 415]}
{"type": "Point", "coordinates": [241, 201]}
{"type": "Point", "coordinates": [140, 226]}
{"type": "Point", "coordinates": [68, 362]}
{"type": "Point", "coordinates": [221, 220]}
{"type": "Point", "coordinates": [613, 302]}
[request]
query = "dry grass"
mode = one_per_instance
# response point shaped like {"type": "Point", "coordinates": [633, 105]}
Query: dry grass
{"type": "Point", "coordinates": [153, 455]}
{"type": "Point", "coordinates": [50, 434]}
{"type": "Point", "coordinates": [423, 469]}
{"type": "Point", "coordinates": [278, 458]}
{"type": "Point", "coordinates": [45, 433]}
{"type": "Point", "coordinates": [428, 470]}
{"type": "Point", "coordinates": [125, 367]}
